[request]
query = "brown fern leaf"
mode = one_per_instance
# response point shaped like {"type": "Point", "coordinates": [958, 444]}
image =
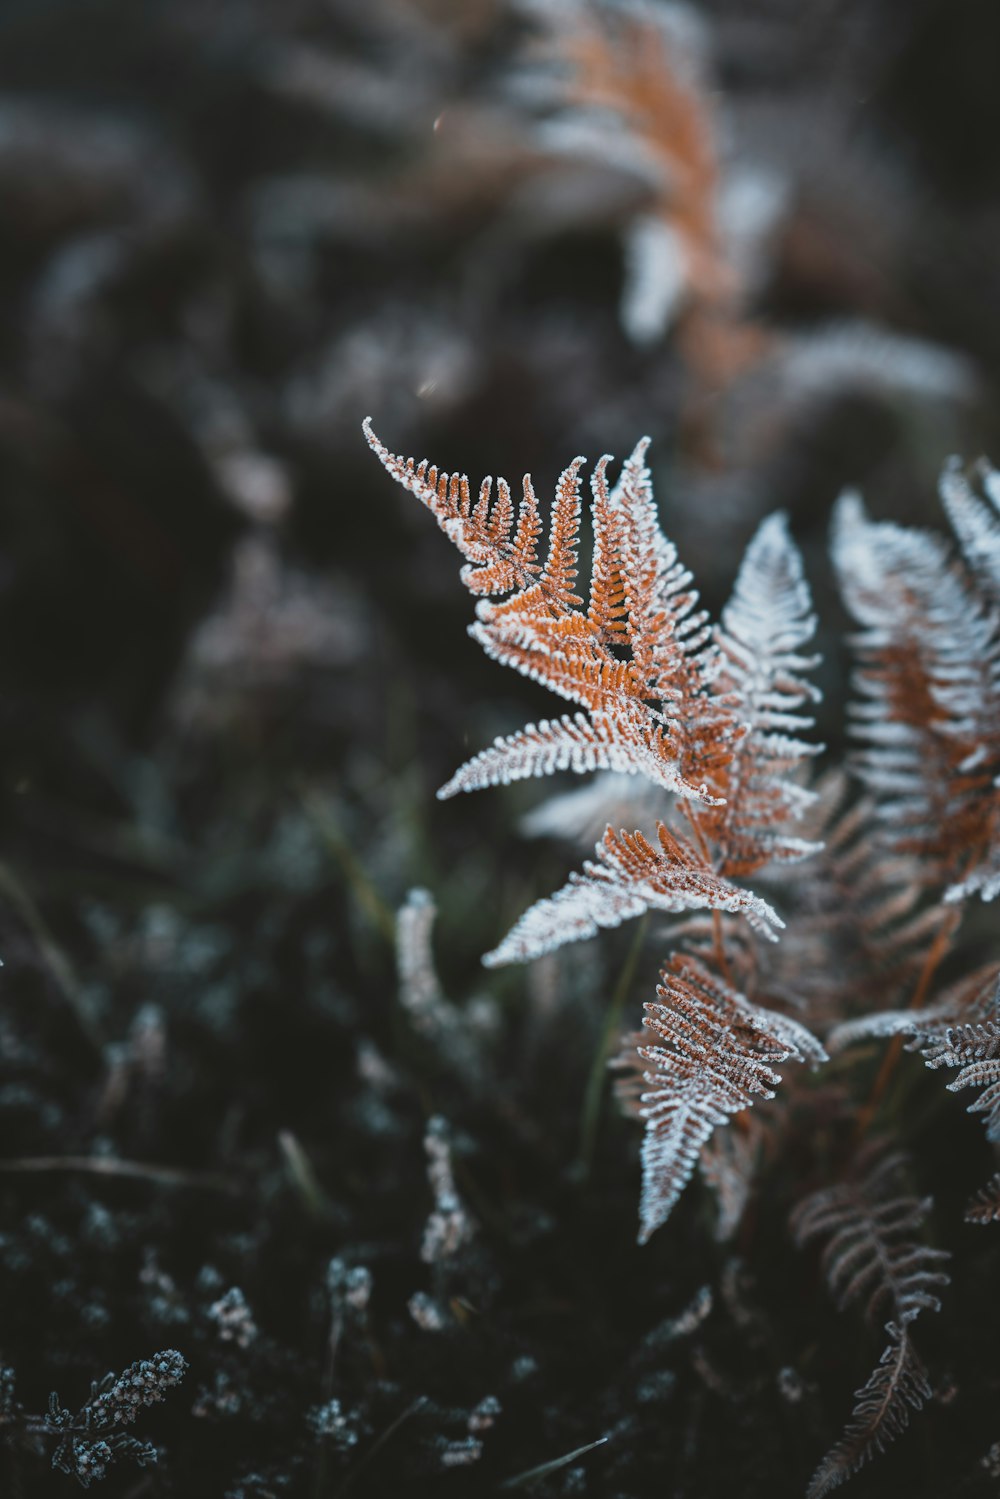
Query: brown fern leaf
{"type": "Point", "coordinates": [871, 1252]}
{"type": "Point", "coordinates": [637, 660]}
{"type": "Point", "coordinates": [644, 77]}
{"type": "Point", "coordinates": [897, 1386]}
{"type": "Point", "coordinates": [929, 685]}
{"type": "Point", "coordinates": [704, 718]}
{"type": "Point", "coordinates": [632, 71]}
{"type": "Point", "coordinates": [873, 1256]}
{"type": "Point", "coordinates": [717, 1055]}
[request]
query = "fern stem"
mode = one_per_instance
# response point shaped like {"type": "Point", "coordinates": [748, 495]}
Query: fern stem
{"type": "Point", "coordinates": [591, 1113]}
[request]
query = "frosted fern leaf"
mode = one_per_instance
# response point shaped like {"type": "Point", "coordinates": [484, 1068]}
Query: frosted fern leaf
{"type": "Point", "coordinates": [715, 719]}
{"type": "Point", "coordinates": [928, 682]}
{"type": "Point", "coordinates": [631, 660]}
{"type": "Point", "coordinates": [764, 627]}
{"type": "Point", "coordinates": [712, 1056]}
{"type": "Point", "coordinates": [629, 877]}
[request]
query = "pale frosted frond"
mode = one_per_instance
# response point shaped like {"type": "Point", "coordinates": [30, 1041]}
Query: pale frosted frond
{"type": "Point", "coordinates": [432, 1015]}
{"type": "Point", "coordinates": [713, 1056]}
{"type": "Point", "coordinates": [764, 627]}
{"type": "Point", "coordinates": [975, 522]}
{"type": "Point", "coordinates": [969, 1001]}
{"type": "Point", "coordinates": [985, 881]}
{"type": "Point", "coordinates": [629, 877]}
{"type": "Point", "coordinates": [928, 681]}
{"type": "Point", "coordinates": [976, 1050]}
{"type": "Point", "coordinates": [629, 745]}
{"type": "Point", "coordinates": [878, 1027]}
{"type": "Point", "coordinates": [420, 990]}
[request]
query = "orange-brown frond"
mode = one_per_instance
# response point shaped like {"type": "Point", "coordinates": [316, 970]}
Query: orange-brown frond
{"type": "Point", "coordinates": [499, 561]}
{"type": "Point", "coordinates": [608, 611]}
{"type": "Point", "coordinates": [638, 655]}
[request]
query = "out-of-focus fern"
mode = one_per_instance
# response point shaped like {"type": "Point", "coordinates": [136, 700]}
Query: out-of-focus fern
{"type": "Point", "coordinates": [872, 1256]}
{"type": "Point", "coordinates": [928, 682]}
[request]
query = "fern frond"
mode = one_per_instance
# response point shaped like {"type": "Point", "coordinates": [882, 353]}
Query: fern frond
{"type": "Point", "coordinates": [709, 719]}
{"type": "Point", "coordinates": [501, 557]}
{"type": "Point", "coordinates": [872, 1255]}
{"type": "Point", "coordinates": [929, 687]}
{"type": "Point", "coordinates": [897, 1386]}
{"type": "Point", "coordinates": [975, 523]}
{"type": "Point", "coordinates": [629, 877]}
{"type": "Point", "coordinates": [717, 1055]}
{"type": "Point", "coordinates": [961, 1029]}
{"type": "Point", "coordinates": [637, 658]}
{"type": "Point", "coordinates": [627, 744]}
{"type": "Point", "coordinates": [976, 1050]}
{"type": "Point", "coordinates": [432, 1014]}
{"type": "Point", "coordinates": [764, 626]}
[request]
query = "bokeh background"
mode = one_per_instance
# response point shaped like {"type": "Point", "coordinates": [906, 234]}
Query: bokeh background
{"type": "Point", "coordinates": [233, 666]}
